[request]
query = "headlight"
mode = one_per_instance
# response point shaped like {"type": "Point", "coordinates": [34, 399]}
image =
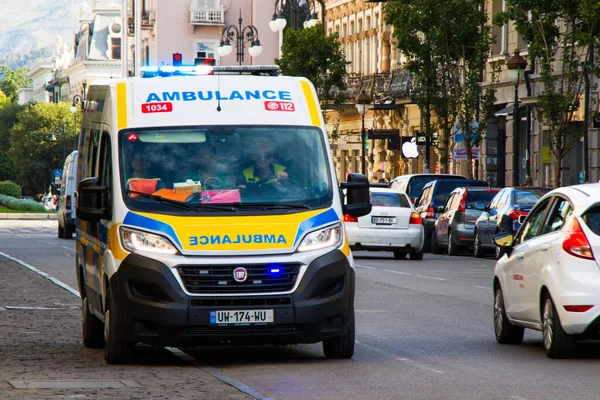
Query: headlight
{"type": "Point", "coordinates": [326, 237]}
{"type": "Point", "coordinates": [134, 240]}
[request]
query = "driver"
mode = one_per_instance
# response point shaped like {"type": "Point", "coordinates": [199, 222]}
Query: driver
{"type": "Point", "coordinates": [263, 171]}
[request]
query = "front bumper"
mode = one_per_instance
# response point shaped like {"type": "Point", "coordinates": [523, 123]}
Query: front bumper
{"type": "Point", "coordinates": [152, 308]}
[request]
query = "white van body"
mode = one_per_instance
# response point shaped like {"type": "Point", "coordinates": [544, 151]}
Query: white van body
{"type": "Point", "coordinates": [66, 199]}
{"type": "Point", "coordinates": [236, 260]}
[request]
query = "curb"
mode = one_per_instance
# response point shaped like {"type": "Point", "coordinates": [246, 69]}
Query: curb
{"type": "Point", "coordinates": [27, 216]}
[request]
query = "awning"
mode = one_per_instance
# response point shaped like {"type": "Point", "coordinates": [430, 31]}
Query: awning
{"type": "Point", "coordinates": [507, 110]}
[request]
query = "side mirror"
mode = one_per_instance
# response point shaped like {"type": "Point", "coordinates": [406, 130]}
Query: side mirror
{"type": "Point", "coordinates": [92, 200]}
{"type": "Point", "coordinates": [357, 195]}
{"type": "Point", "coordinates": [440, 209]}
{"type": "Point", "coordinates": [481, 206]}
{"type": "Point", "coordinates": [504, 239]}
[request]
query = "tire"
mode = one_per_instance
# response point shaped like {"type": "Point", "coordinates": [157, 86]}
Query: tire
{"type": "Point", "coordinates": [452, 247]}
{"type": "Point", "coordinates": [68, 233]}
{"type": "Point", "coordinates": [92, 327]}
{"type": "Point", "coordinates": [435, 248]}
{"type": "Point", "coordinates": [418, 255]}
{"type": "Point", "coordinates": [61, 231]}
{"type": "Point", "coordinates": [399, 255]}
{"type": "Point", "coordinates": [506, 333]}
{"type": "Point", "coordinates": [116, 350]}
{"type": "Point", "coordinates": [478, 251]}
{"type": "Point", "coordinates": [341, 347]}
{"type": "Point", "coordinates": [557, 343]}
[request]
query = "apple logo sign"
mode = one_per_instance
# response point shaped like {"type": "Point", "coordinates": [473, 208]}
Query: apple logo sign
{"type": "Point", "coordinates": [409, 149]}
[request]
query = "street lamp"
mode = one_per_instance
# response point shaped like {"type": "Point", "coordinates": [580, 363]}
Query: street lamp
{"type": "Point", "coordinates": [516, 65]}
{"type": "Point", "coordinates": [362, 104]}
{"type": "Point", "coordinates": [238, 36]}
{"type": "Point", "coordinates": [294, 10]}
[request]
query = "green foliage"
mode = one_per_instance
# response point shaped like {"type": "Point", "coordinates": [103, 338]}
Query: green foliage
{"type": "Point", "coordinates": [10, 189]}
{"type": "Point", "coordinates": [11, 81]}
{"type": "Point", "coordinates": [558, 33]}
{"type": "Point", "coordinates": [7, 167]}
{"type": "Point", "coordinates": [32, 150]}
{"type": "Point", "coordinates": [20, 205]}
{"type": "Point", "coordinates": [445, 42]}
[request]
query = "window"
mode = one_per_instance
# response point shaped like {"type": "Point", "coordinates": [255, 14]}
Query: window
{"type": "Point", "coordinates": [532, 226]}
{"type": "Point", "coordinates": [385, 199]}
{"type": "Point", "coordinates": [449, 205]}
{"type": "Point", "coordinates": [561, 210]}
{"type": "Point", "coordinates": [206, 49]}
{"type": "Point", "coordinates": [115, 48]}
{"type": "Point", "coordinates": [592, 219]}
{"type": "Point", "coordinates": [499, 33]}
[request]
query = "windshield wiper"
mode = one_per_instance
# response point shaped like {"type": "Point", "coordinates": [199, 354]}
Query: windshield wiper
{"type": "Point", "coordinates": [274, 206]}
{"type": "Point", "coordinates": [187, 206]}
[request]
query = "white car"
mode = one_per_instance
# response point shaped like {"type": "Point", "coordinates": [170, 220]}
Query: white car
{"type": "Point", "coordinates": [549, 280]}
{"type": "Point", "coordinates": [392, 225]}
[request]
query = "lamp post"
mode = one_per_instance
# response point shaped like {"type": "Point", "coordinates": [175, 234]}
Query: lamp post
{"type": "Point", "coordinates": [516, 65]}
{"type": "Point", "coordinates": [362, 103]}
{"type": "Point", "coordinates": [238, 36]}
{"type": "Point", "coordinates": [293, 9]}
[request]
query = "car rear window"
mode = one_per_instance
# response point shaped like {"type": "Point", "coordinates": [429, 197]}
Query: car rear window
{"type": "Point", "coordinates": [480, 196]}
{"type": "Point", "coordinates": [379, 199]}
{"type": "Point", "coordinates": [444, 189]}
{"type": "Point", "coordinates": [592, 219]}
{"type": "Point", "coordinates": [418, 182]}
{"type": "Point", "coordinates": [527, 198]}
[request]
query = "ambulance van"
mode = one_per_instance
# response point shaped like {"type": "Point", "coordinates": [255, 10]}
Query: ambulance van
{"type": "Point", "coordinates": [208, 213]}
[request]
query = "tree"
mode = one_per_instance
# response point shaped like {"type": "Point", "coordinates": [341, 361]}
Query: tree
{"type": "Point", "coordinates": [32, 150]}
{"type": "Point", "coordinates": [8, 117]}
{"type": "Point", "coordinates": [11, 81]}
{"type": "Point", "coordinates": [444, 41]}
{"type": "Point", "coordinates": [559, 34]}
{"type": "Point", "coordinates": [318, 57]}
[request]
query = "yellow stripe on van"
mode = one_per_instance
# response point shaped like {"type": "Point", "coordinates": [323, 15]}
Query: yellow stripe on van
{"type": "Point", "coordinates": [312, 104]}
{"type": "Point", "coordinates": [121, 105]}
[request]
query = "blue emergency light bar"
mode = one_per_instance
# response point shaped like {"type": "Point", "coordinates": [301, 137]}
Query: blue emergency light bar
{"type": "Point", "coordinates": [193, 70]}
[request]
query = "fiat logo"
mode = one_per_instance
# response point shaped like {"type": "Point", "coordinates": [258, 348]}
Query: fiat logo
{"type": "Point", "coordinates": [240, 274]}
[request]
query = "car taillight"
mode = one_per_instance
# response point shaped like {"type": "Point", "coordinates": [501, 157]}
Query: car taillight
{"type": "Point", "coordinates": [68, 205]}
{"type": "Point", "coordinates": [576, 243]}
{"type": "Point", "coordinates": [515, 214]}
{"type": "Point", "coordinates": [415, 218]}
{"type": "Point", "coordinates": [348, 218]}
{"type": "Point", "coordinates": [430, 213]}
{"type": "Point", "coordinates": [463, 201]}
{"type": "Point", "coordinates": [577, 308]}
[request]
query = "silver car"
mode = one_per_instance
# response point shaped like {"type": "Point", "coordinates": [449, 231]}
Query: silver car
{"type": "Point", "coordinates": [392, 225]}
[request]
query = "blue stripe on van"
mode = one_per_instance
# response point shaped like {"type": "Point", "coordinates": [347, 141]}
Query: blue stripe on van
{"type": "Point", "coordinates": [151, 224]}
{"type": "Point", "coordinates": [324, 218]}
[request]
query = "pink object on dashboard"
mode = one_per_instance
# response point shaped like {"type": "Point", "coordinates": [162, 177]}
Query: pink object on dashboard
{"type": "Point", "coordinates": [221, 196]}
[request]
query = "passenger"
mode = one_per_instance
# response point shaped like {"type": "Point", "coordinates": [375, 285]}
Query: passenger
{"type": "Point", "coordinates": [264, 170]}
{"type": "Point", "coordinates": [141, 180]}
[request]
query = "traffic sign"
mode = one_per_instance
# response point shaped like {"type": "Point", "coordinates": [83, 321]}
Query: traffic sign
{"type": "Point", "coordinates": [57, 173]}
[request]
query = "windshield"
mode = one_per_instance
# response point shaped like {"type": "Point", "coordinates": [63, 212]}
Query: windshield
{"type": "Point", "coordinates": [224, 168]}
{"type": "Point", "coordinates": [527, 198]}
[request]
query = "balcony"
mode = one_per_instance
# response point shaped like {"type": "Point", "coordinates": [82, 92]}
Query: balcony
{"type": "Point", "coordinates": [207, 12]}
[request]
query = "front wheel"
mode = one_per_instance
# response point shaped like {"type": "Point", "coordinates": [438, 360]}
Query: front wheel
{"type": "Point", "coordinates": [557, 343]}
{"type": "Point", "coordinates": [452, 247]}
{"type": "Point", "coordinates": [342, 346]}
{"type": "Point", "coordinates": [116, 350]}
{"type": "Point", "coordinates": [478, 251]}
{"type": "Point", "coordinates": [506, 333]}
{"type": "Point", "coordinates": [61, 231]}
{"type": "Point", "coordinates": [93, 333]}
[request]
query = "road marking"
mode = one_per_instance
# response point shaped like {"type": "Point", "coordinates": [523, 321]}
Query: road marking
{"type": "Point", "coordinates": [403, 359]}
{"type": "Point", "coordinates": [483, 287]}
{"type": "Point", "coordinates": [397, 272]}
{"type": "Point", "coordinates": [364, 266]}
{"type": "Point", "coordinates": [42, 273]}
{"type": "Point", "coordinates": [68, 248]}
{"type": "Point", "coordinates": [374, 311]}
{"type": "Point", "coordinates": [432, 277]}
{"type": "Point", "coordinates": [220, 376]}
{"type": "Point", "coordinates": [35, 308]}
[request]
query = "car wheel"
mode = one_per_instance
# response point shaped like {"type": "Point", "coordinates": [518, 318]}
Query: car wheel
{"type": "Point", "coordinates": [506, 333]}
{"type": "Point", "coordinates": [399, 255]}
{"type": "Point", "coordinates": [61, 231]}
{"type": "Point", "coordinates": [477, 249]}
{"type": "Point", "coordinates": [418, 255]}
{"type": "Point", "coordinates": [557, 343]}
{"type": "Point", "coordinates": [452, 247]}
{"type": "Point", "coordinates": [116, 350]}
{"type": "Point", "coordinates": [435, 248]}
{"type": "Point", "coordinates": [92, 330]}
{"type": "Point", "coordinates": [342, 346]}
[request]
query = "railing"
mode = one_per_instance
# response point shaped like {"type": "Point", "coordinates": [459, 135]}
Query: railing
{"type": "Point", "coordinates": [207, 16]}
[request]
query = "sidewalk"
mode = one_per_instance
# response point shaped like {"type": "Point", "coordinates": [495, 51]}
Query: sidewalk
{"type": "Point", "coordinates": [42, 355]}
{"type": "Point", "coordinates": [27, 216]}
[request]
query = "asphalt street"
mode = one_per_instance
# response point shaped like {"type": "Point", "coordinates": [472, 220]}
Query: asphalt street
{"type": "Point", "coordinates": [424, 331]}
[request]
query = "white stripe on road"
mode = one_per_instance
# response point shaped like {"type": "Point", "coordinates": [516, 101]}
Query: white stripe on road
{"type": "Point", "coordinates": [364, 266]}
{"type": "Point", "coordinates": [42, 273]}
{"type": "Point", "coordinates": [403, 359]}
{"type": "Point", "coordinates": [431, 277]}
{"type": "Point", "coordinates": [483, 287]}
{"type": "Point", "coordinates": [397, 272]}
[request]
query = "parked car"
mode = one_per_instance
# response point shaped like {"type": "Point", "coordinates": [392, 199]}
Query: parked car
{"type": "Point", "coordinates": [505, 213]}
{"type": "Point", "coordinates": [434, 195]}
{"type": "Point", "coordinates": [548, 279]}
{"type": "Point", "coordinates": [392, 225]}
{"type": "Point", "coordinates": [413, 184]}
{"type": "Point", "coordinates": [455, 226]}
{"type": "Point", "coordinates": [66, 199]}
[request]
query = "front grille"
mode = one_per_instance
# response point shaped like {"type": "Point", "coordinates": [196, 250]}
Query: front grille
{"type": "Point", "coordinates": [247, 301]}
{"type": "Point", "coordinates": [218, 279]}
